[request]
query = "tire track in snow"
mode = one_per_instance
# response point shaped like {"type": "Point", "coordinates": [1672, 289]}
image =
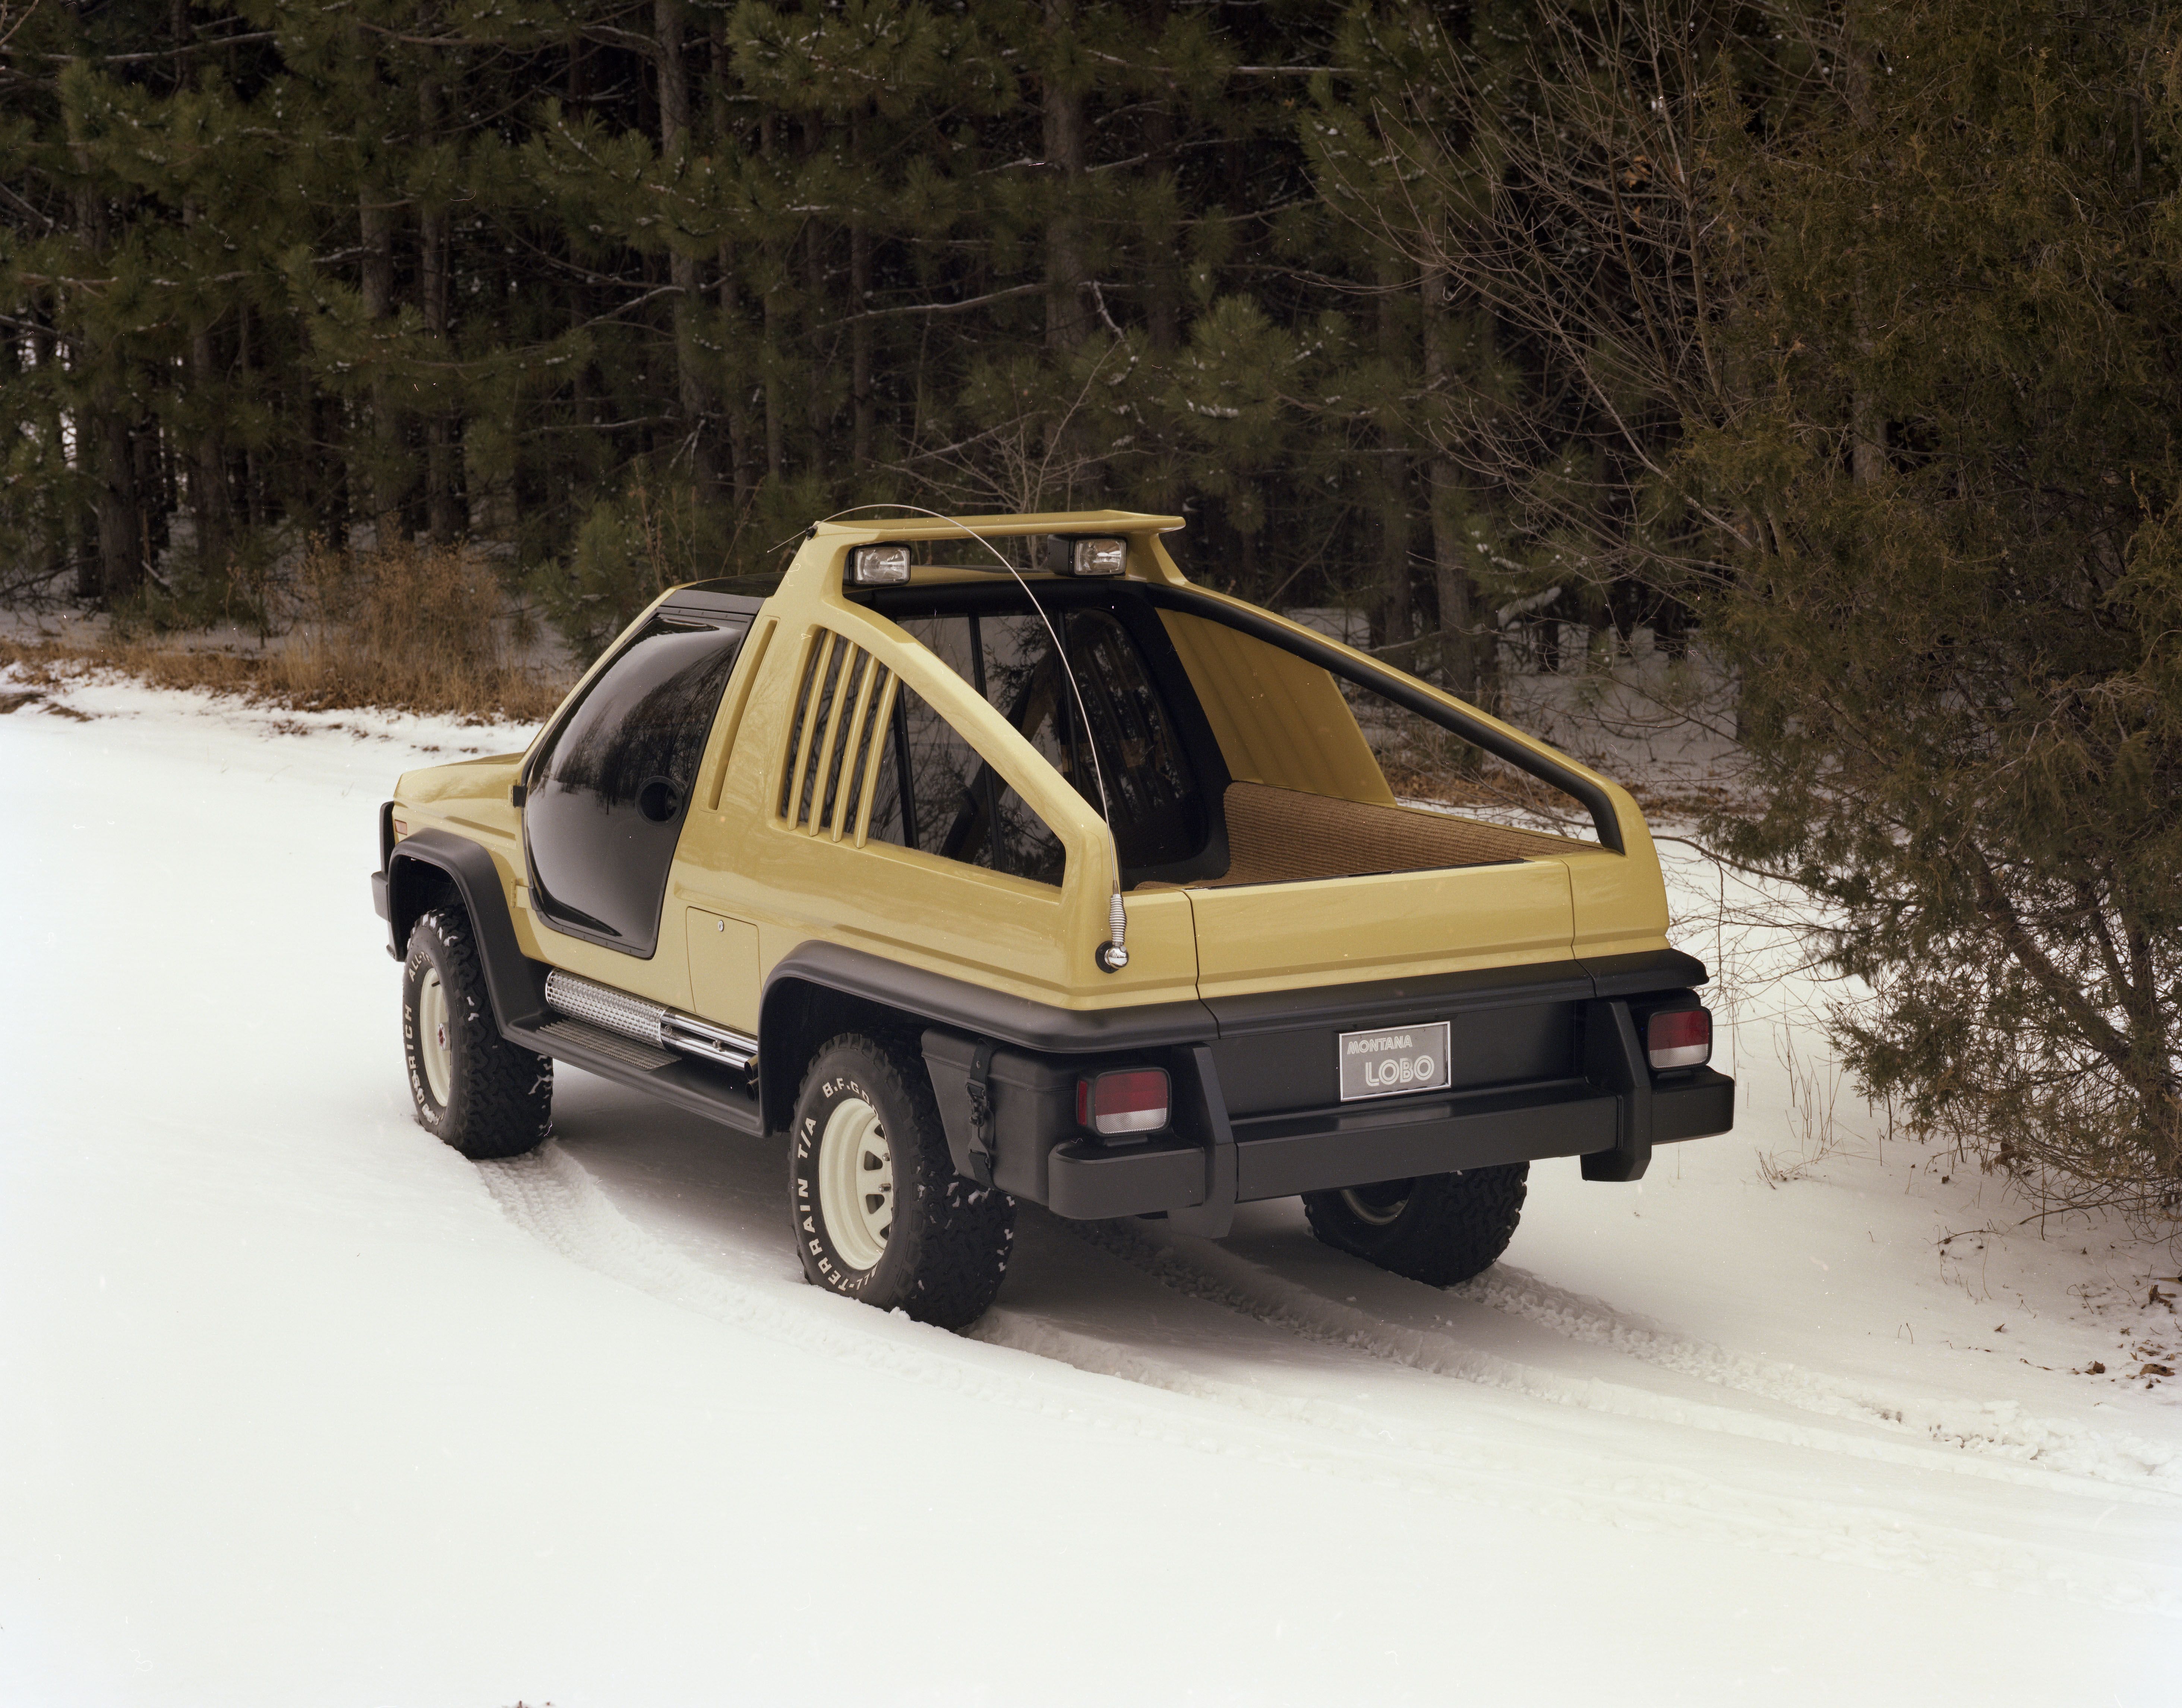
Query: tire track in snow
{"type": "Point", "coordinates": [1997, 1440]}
{"type": "Point", "coordinates": [553, 1198]}
{"type": "Point", "coordinates": [1998, 1428]}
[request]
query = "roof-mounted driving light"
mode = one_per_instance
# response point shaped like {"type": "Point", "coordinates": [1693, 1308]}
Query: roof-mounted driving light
{"type": "Point", "coordinates": [1065, 555]}
{"type": "Point", "coordinates": [878, 565]}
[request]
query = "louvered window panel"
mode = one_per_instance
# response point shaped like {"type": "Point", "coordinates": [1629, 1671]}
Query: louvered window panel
{"type": "Point", "coordinates": [842, 708]}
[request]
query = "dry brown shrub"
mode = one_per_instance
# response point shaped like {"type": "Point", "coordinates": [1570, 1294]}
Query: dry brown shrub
{"type": "Point", "coordinates": [416, 626]}
{"type": "Point", "coordinates": [414, 629]}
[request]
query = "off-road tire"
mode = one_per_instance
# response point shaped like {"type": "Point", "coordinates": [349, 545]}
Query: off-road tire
{"type": "Point", "coordinates": [1438, 1229]}
{"type": "Point", "coordinates": [498, 1098]}
{"type": "Point", "coordinates": [946, 1252]}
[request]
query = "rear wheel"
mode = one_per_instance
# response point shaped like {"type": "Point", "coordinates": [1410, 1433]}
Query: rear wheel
{"type": "Point", "coordinates": [472, 1089]}
{"type": "Point", "coordinates": [879, 1213]}
{"type": "Point", "coordinates": [1438, 1229]}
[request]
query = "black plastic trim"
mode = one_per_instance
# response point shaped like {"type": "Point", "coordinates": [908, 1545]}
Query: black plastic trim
{"type": "Point", "coordinates": [688, 1085]}
{"type": "Point", "coordinates": [1314, 1150]}
{"type": "Point", "coordinates": [1644, 974]}
{"type": "Point", "coordinates": [1693, 1108]}
{"type": "Point", "coordinates": [1092, 1182]}
{"type": "Point", "coordinates": [1199, 1111]}
{"type": "Point", "coordinates": [517, 983]}
{"type": "Point", "coordinates": [992, 1014]}
{"type": "Point", "coordinates": [1405, 691]}
{"type": "Point", "coordinates": [1613, 1060]}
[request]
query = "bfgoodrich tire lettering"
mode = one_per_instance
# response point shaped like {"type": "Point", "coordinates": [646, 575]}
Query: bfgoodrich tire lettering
{"type": "Point", "coordinates": [473, 1088]}
{"type": "Point", "coordinates": [1438, 1229]}
{"type": "Point", "coordinates": [879, 1213]}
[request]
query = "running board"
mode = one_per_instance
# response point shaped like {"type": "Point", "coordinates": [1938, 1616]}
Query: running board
{"type": "Point", "coordinates": [713, 1079]}
{"type": "Point", "coordinates": [648, 1022]}
{"type": "Point", "coordinates": [713, 1092]}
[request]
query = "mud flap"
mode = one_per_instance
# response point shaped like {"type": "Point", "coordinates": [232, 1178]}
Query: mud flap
{"type": "Point", "coordinates": [1200, 1113]}
{"type": "Point", "coordinates": [1614, 1061]}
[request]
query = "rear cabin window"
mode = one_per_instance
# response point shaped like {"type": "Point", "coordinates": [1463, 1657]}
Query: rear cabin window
{"type": "Point", "coordinates": [869, 758]}
{"type": "Point", "coordinates": [956, 806]}
{"type": "Point", "coordinates": [1123, 728]}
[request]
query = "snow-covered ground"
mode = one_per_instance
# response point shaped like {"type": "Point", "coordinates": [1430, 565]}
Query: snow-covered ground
{"type": "Point", "coordinates": [297, 1405]}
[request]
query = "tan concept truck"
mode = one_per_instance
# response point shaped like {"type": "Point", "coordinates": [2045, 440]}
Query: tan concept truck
{"type": "Point", "coordinates": [986, 858]}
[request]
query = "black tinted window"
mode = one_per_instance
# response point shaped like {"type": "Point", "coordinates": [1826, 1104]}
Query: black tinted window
{"type": "Point", "coordinates": [648, 715]}
{"type": "Point", "coordinates": [1159, 814]}
{"type": "Point", "coordinates": [954, 799]}
{"type": "Point", "coordinates": [607, 798]}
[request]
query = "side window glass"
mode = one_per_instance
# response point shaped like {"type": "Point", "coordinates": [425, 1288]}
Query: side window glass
{"type": "Point", "coordinates": [646, 718]}
{"type": "Point", "coordinates": [956, 805]}
{"type": "Point", "coordinates": [1159, 815]}
{"type": "Point", "coordinates": [606, 798]}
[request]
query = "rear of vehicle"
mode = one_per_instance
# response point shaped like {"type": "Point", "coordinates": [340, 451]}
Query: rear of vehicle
{"type": "Point", "coordinates": [1423, 944]}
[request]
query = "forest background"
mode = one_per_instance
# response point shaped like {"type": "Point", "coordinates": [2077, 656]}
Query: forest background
{"type": "Point", "coordinates": [1831, 345]}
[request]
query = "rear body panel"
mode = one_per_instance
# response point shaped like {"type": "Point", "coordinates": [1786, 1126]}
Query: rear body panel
{"type": "Point", "coordinates": [1336, 931]}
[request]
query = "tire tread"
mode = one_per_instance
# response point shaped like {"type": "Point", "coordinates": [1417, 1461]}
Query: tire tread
{"type": "Point", "coordinates": [946, 1261]}
{"type": "Point", "coordinates": [501, 1105]}
{"type": "Point", "coordinates": [1454, 1226]}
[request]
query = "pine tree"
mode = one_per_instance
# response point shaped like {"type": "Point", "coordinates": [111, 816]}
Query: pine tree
{"type": "Point", "coordinates": [1959, 573]}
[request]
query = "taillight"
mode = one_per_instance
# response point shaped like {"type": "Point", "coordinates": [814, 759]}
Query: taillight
{"type": "Point", "coordinates": [1679, 1038]}
{"type": "Point", "coordinates": [1133, 1101]}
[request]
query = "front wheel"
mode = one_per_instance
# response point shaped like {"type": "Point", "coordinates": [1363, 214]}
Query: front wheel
{"type": "Point", "coordinates": [1438, 1229]}
{"type": "Point", "coordinates": [472, 1089]}
{"type": "Point", "coordinates": [879, 1213]}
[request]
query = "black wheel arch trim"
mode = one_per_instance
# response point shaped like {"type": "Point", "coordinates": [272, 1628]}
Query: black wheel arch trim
{"type": "Point", "coordinates": [934, 999]}
{"type": "Point", "coordinates": [516, 982]}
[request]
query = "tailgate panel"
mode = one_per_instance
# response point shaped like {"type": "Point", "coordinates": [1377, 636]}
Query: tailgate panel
{"type": "Point", "coordinates": [1336, 931]}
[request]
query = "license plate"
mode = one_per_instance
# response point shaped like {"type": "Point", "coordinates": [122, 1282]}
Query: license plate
{"type": "Point", "coordinates": [1385, 1064]}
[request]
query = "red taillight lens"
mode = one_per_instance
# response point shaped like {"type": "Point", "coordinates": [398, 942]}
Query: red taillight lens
{"type": "Point", "coordinates": [1131, 1102]}
{"type": "Point", "coordinates": [1679, 1038]}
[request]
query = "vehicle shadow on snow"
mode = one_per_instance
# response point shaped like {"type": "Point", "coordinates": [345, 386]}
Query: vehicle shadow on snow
{"type": "Point", "coordinates": [724, 1194]}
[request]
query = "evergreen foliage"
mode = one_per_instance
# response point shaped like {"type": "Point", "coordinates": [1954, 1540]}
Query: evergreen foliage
{"type": "Point", "coordinates": [1950, 440]}
{"type": "Point", "coordinates": [277, 269]}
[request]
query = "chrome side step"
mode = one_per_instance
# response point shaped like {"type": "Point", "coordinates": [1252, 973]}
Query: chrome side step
{"type": "Point", "coordinates": [648, 1022]}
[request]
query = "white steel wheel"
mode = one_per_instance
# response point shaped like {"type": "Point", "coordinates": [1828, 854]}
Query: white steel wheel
{"type": "Point", "coordinates": [435, 1050]}
{"type": "Point", "coordinates": [855, 1182]}
{"type": "Point", "coordinates": [1378, 1206]}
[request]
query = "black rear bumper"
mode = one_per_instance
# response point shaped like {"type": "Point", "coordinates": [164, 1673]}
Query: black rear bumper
{"type": "Point", "coordinates": [1555, 1067]}
{"type": "Point", "coordinates": [1278, 1156]}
